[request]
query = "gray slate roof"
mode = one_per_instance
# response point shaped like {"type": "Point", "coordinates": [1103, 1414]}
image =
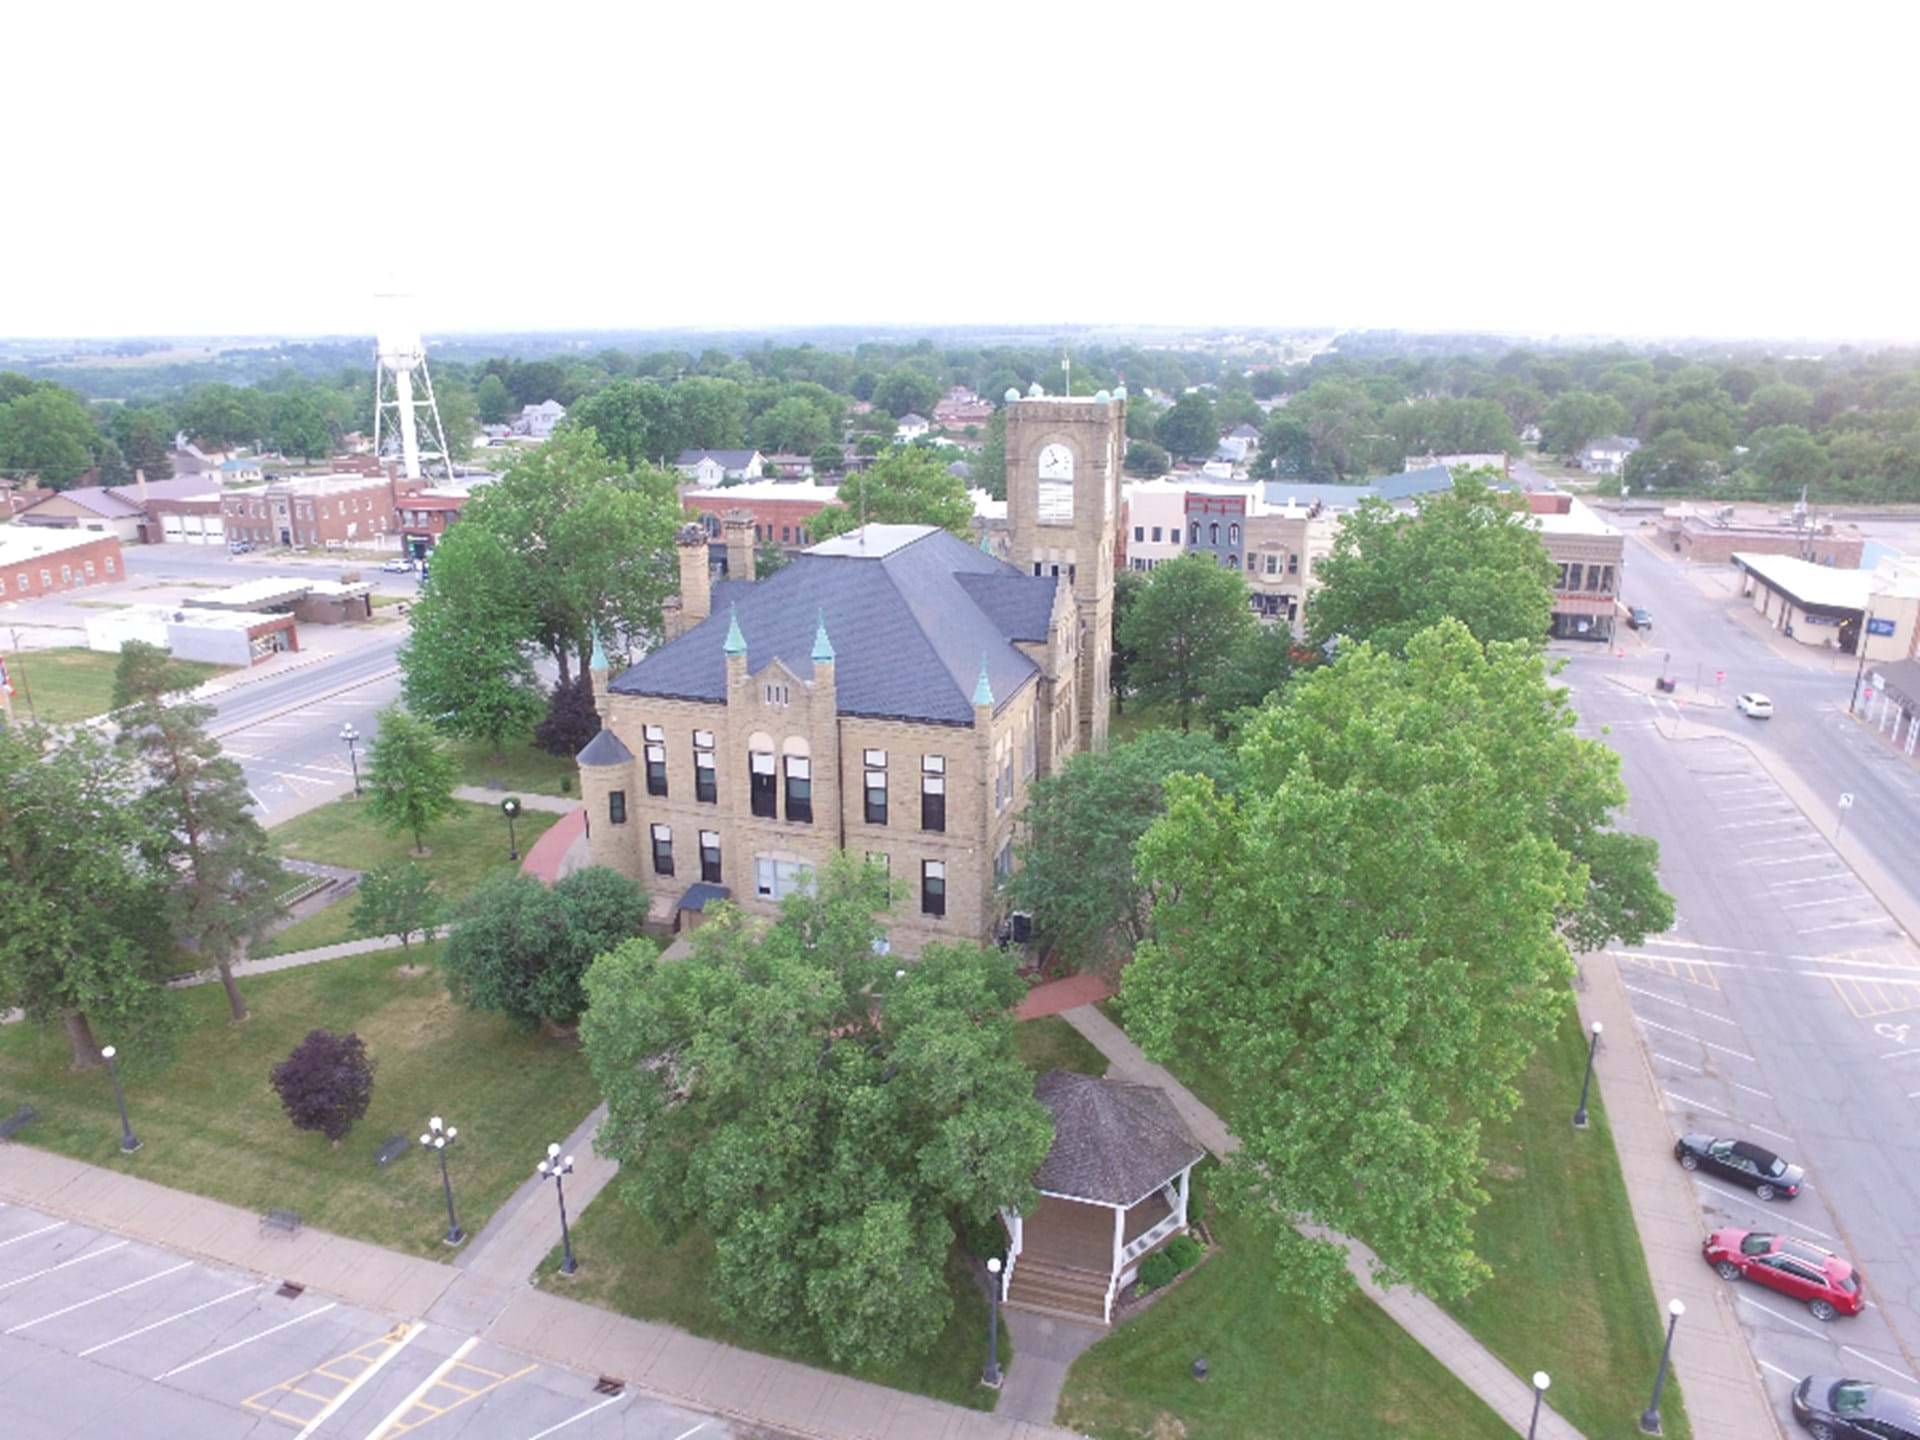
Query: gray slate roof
{"type": "Point", "coordinates": [1391, 488]}
{"type": "Point", "coordinates": [605, 749]}
{"type": "Point", "coordinates": [1113, 1143]}
{"type": "Point", "coordinates": [726, 459]}
{"type": "Point", "coordinates": [911, 612]}
{"type": "Point", "coordinates": [1428, 480]}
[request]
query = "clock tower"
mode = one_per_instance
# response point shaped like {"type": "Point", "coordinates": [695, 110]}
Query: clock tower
{"type": "Point", "coordinates": [1063, 508]}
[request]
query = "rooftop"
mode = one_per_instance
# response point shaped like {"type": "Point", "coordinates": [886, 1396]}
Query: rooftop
{"type": "Point", "coordinates": [1824, 585]}
{"type": "Point", "coordinates": [1579, 519]}
{"type": "Point", "coordinates": [313, 484]}
{"type": "Point", "coordinates": [1113, 1143]}
{"type": "Point", "coordinates": [766, 490]}
{"type": "Point", "coordinates": [19, 543]}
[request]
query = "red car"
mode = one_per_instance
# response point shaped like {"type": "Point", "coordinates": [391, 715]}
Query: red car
{"type": "Point", "coordinates": [1828, 1284]}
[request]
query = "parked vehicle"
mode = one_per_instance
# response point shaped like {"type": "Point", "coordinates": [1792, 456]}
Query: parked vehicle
{"type": "Point", "coordinates": [1828, 1284]}
{"type": "Point", "coordinates": [1640, 618]}
{"type": "Point", "coordinates": [1756, 705]}
{"type": "Point", "coordinates": [1835, 1409]}
{"type": "Point", "coordinates": [1742, 1162]}
{"type": "Point", "coordinates": [397, 567]}
{"type": "Point", "coordinates": [238, 547]}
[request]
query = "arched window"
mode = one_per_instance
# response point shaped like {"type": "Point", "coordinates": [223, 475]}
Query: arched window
{"type": "Point", "coordinates": [1213, 533]}
{"type": "Point", "coordinates": [1233, 534]}
{"type": "Point", "coordinates": [1196, 533]}
{"type": "Point", "coordinates": [1233, 563]}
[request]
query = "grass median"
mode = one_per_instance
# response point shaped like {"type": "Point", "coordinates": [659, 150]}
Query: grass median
{"type": "Point", "coordinates": [211, 1124]}
{"type": "Point", "coordinates": [58, 687]}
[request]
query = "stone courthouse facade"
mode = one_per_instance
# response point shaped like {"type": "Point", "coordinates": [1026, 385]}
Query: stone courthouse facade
{"type": "Point", "coordinates": [893, 693]}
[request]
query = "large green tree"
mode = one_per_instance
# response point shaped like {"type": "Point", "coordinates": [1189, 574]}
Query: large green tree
{"type": "Point", "coordinates": [709, 413]}
{"type": "Point", "coordinates": [905, 486]}
{"type": "Point", "coordinates": [1181, 631]}
{"type": "Point", "coordinates": [1076, 874]}
{"type": "Point", "coordinates": [410, 776]}
{"type": "Point", "coordinates": [1575, 419]}
{"type": "Point", "coordinates": [465, 665]}
{"type": "Point", "coordinates": [47, 435]}
{"type": "Point", "coordinates": [522, 950]}
{"type": "Point", "coordinates": [1370, 939]}
{"type": "Point", "coordinates": [1470, 552]}
{"type": "Point", "coordinates": [634, 420]}
{"type": "Point", "coordinates": [224, 415]}
{"type": "Point", "coordinates": [1190, 429]}
{"type": "Point", "coordinates": [493, 401]}
{"type": "Point", "coordinates": [824, 1120]}
{"type": "Point", "coordinates": [299, 426]}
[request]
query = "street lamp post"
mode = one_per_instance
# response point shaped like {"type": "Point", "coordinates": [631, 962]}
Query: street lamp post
{"type": "Point", "coordinates": [352, 737]}
{"type": "Point", "coordinates": [1540, 1383]}
{"type": "Point", "coordinates": [1650, 1421]}
{"type": "Point", "coordinates": [438, 1137]}
{"type": "Point", "coordinates": [128, 1141]}
{"type": "Point", "coordinates": [991, 1375]}
{"type": "Point", "coordinates": [1580, 1115]}
{"type": "Point", "coordinates": [555, 1168]}
{"type": "Point", "coordinates": [510, 807]}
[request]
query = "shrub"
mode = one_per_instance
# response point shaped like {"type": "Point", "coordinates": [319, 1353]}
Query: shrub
{"type": "Point", "coordinates": [326, 1083]}
{"type": "Point", "coordinates": [1184, 1251]}
{"type": "Point", "coordinates": [983, 1238]}
{"type": "Point", "coordinates": [572, 718]}
{"type": "Point", "coordinates": [1157, 1269]}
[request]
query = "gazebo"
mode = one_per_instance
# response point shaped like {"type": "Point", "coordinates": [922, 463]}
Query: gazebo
{"type": "Point", "coordinates": [1113, 1189]}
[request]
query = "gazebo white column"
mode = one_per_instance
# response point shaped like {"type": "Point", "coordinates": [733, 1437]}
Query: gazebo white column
{"type": "Point", "coordinates": [1119, 1239]}
{"type": "Point", "coordinates": [1186, 1186]}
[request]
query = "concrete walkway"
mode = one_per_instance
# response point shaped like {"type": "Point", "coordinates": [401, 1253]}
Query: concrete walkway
{"type": "Point", "coordinates": [487, 795]}
{"type": "Point", "coordinates": [1044, 1349]}
{"type": "Point", "coordinates": [294, 959]}
{"type": "Point", "coordinates": [1506, 1394]}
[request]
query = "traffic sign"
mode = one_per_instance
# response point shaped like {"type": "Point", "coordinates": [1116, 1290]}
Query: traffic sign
{"type": "Point", "coordinates": [1718, 676]}
{"type": "Point", "coordinates": [1846, 801]}
{"type": "Point", "coordinates": [1867, 694]}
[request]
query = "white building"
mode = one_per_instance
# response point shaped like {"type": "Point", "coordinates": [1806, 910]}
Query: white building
{"type": "Point", "coordinates": [1156, 512]}
{"type": "Point", "coordinates": [537, 421]}
{"type": "Point", "coordinates": [1608, 456]}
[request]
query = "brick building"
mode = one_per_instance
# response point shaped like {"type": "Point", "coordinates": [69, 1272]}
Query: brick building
{"type": "Point", "coordinates": [782, 510]}
{"type": "Point", "coordinates": [1587, 555]}
{"type": "Point", "coordinates": [45, 560]}
{"type": "Point", "coordinates": [325, 511]}
{"type": "Point", "coordinates": [1712, 536]}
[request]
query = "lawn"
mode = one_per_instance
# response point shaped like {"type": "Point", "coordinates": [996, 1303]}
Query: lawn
{"type": "Point", "coordinates": [212, 1125]}
{"type": "Point", "coordinates": [465, 847]}
{"type": "Point", "coordinates": [1050, 1043]}
{"type": "Point", "coordinates": [1570, 1293]}
{"type": "Point", "coordinates": [625, 1267]}
{"type": "Point", "coordinates": [69, 685]}
{"type": "Point", "coordinates": [517, 767]}
{"type": "Point", "coordinates": [1136, 719]}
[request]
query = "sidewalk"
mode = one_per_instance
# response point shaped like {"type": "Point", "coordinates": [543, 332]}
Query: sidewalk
{"type": "Point", "coordinates": [1506, 1394]}
{"type": "Point", "coordinates": [1725, 1398]}
{"type": "Point", "coordinates": [487, 795]}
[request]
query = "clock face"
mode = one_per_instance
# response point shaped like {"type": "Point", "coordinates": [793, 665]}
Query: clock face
{"type": "Point", "coordinates": [1056, 463]}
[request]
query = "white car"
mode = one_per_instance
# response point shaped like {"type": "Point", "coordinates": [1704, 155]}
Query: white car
{"type": "Point", "coordinates": [402, 567]}
{"type": "Point", "coordinates": [1756, 705]}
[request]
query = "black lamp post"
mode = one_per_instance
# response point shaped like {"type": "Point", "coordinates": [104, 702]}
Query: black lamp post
{"type": "Point", "coordinates": [128, 1141]}
{"type": "Point", "coordinates": [555, 1168]}
{"type": "Point", "coordinates": [1650, 1421]}
{"type": "Point", "coordinates": [438, 1137]}
{"type": "Point", "coordinates": [991, 1375]}
{"type": "Point", "coordinates": [352, 737]}
{"type": "Point", "coordinates": [510, 807]}
{"type": "Point", "coordinates": [1540, 1383]}
{"type": "Point", "coordinates": [1580, 1115]}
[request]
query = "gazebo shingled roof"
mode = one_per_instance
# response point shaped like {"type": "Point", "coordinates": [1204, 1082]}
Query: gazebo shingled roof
{"type": "Point", "coordinates": [1113, 1143]}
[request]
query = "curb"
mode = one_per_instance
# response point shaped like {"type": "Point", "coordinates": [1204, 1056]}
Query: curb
{"type": "Point", "coordinates": [302, 704]}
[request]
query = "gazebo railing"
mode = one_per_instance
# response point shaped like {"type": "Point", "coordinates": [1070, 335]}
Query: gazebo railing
{"type": "Point", "coordinates": [1147, 1239]}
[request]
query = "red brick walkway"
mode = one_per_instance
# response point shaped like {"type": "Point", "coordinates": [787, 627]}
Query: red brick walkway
{"type": "Point", "coordinates": [543, 857]}
{"type": "Point", "coordinates": [1057, 995]}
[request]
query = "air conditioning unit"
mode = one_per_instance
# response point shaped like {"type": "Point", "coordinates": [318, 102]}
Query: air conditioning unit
{"type": "Point", "coordinates": [1022, 927]}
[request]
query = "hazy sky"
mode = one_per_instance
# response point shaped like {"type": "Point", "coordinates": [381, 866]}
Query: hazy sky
{"type": "Point", "coordinates": [1667, 169]}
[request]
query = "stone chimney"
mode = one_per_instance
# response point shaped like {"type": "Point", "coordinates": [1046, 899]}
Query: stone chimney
{"type": "Point", "coordinates": [140, 486]}
{"type": "Point", "coordinates": [738, 528]}
{"type": "Point", "coordinates": [696, 578]}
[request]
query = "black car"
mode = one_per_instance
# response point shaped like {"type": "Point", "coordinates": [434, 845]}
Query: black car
{"type": "Point", "coordinates": [1640, 618]}
{"type": "Point", "coordinates": [1836, 1409]}
{"type": "Point", "coordinates": [1742, 1162]}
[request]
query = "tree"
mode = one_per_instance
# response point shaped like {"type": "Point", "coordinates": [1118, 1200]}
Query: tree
{"type": "Point", "coordinates": [1470, 552]}
{"type": "Point", "coordinates": [905, 486]}
{"type": "Point", "coordinates": [1076, 872]}
{"type": "Point", "coordinates": [1260, 668]}
{"type": "Point", "coordinates": [224, 415]}
{"type": "Point", "coordinates": [493, 402]}
{"type": "Point", "coordinates": [633, 420]}
{"type": "Point", "coordinates": [1339, 416]}
{"type": "Point", "coordinates": [793, 427]}
{"type": "Point", "coordinates": [1147, 459]}
{"type": "Point", "coordinates": [219, 874]}
{"type": "Point", "coordinates": [709, 413]}
{"type": "Point", "coordinates": [906, 392]}
{"type": "Point", "coordinates": [1190, 428]}
{"type": "Point", "coordinates": [1577, 418]}
{"type": "Point", "coordinates": [48, 434]}
{"type": "Point", "coordinates": [769, 559]}
{"type": "Point", "coordinates": [464, 666]}
{"type": "Point", "coordinates": [1286, 449]}
{"type": "Point", "coordinates": [81, 935]}
{"type": "Point", "coordinates": [828, 459]}
{"type": "Point", "coordinates": [1127, 585]}
{"type": "Point", "coordinates": [1779, 405]}
{"type": "Point", "coordinates": [990, 465]}
{"type": "Point", "coordinates": [410, 776]}
{"type": "Point", "coordinates": [867, 446]}
{"type": "Point", "coordinates": [456, 406]}
{"type": "Point", "coordinates": [1786, 459]}
{"type": "Point", "coordinates": [146, 440]}
{"type": "Point", "coordinates": [1191, 617]}
{"type": "Point", "coordinates": [572, 717]}
{"type": "Point", "coordinates": [326, 1083]}
{"type": "Point", "coordinates": [299, 426]}
{"type": "Point", "coordinates": [396, 900]}
{"type": "Point", "coordinates": [1672, 463]}
{"type": "Point", "coordinates": [823, 1120]}
{"type": "Point", "coordinates": [522, 950]}
{"type": "Point", "coordinates": [148, 672]}
{"type": "Point", "coordinates": [1370, 939]}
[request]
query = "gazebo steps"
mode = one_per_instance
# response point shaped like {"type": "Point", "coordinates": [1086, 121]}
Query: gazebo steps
{"type": "Point", "coordinates": [1058, 1290]}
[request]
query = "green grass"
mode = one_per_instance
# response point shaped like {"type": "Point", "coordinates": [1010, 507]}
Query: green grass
{"type": "Point", "coordinates": [1050, 1043]}
{"type": "Point", "coordinates": [382, 600]}
{"type": "Point", "coordinates": [517, 768]}
{"type": "Point", "coordinates": [625, 1267]}
{"type": "Point", "coordinates": [69, 685]}
{"type": "Point", "coordinates": [1570, 1293]}
{"type": "Point", "coordinates": [213, 1126]}
{"type": "Point", "coordinates": [466, 846]}
{"type": "Point", "coordinates": [1136, 719]}
{"type": "Point", "coordinates": [1272, 1369]}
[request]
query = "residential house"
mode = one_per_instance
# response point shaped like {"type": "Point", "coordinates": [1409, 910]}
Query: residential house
{"type": "Point", "coordinates": [536, 422]}
{"type": "Point", "coordinates": [1479, 460]}
{"type": "Point", "coordinates": [719, 467]}
{"type": "Point", "coordinates": [960, 409]}
{"type": "Point", "coordinates": [911, 427]}
{"type": "Point", "coordinates": [190, 458]}
{"type": "Point", "coordinates": [1608, 456]}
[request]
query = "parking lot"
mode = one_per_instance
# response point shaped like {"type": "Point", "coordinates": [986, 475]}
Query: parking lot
{"type": "Point", "coordinates": [105, 1336]}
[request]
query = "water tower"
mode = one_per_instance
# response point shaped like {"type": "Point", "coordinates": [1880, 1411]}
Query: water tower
{"type": "Point", "coordinates": [398, 355]}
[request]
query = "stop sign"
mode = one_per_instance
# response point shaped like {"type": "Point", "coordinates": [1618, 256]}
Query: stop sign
{"type": "Point", "coordinates": [1867, 694]}
{"type": "Point", "coordinates": [1718, 676]}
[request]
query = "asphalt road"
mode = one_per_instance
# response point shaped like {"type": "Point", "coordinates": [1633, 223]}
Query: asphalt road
{"type": "Point", "coordinates": [101, 1336]}
{"type": "Point", "coordinates": [1784, 1005]}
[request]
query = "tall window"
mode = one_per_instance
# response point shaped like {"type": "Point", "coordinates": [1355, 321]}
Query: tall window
{"type": "Point", "coordinates": [1003, 864]}
{"type": "Point", "coordinates": [1233, 534]}
{"type": "Point", "coordinates": [800, 789]}
{"type": "Point", "coordinates": [876, 767]}
{"type": "Point", "coordinates": [1196, 532]}
{"type": "Point", "coordinates": [710, 856]}
{"type": "Point", "coordinates": [656, 745]}
{"type": "Point", "coordinates": [933, 887]}
{"type": "Point", "coordinates": [775, 878]}
{"type": "Point", "coordinates": [879, 858]}
{"type": "Point", "coordinates": [616, 807]}
{"type": "Point", "coordinates": [933, 792]}
{"type": "Point", "coordinates": [706, 787]}
{"type": "Point", "coordinates": [1156, 533]}
{"type": "Point", "coordinates": [1293, 564]}
{"type": "Point", "coordinates": [662, 850]}
{"type": "Point", "coordinates": [1213, 532]}
{"type": "Point", "coordinates": [1032, 761]}
{"type": "Point", "coordinates": [1273, 564]}
{"type": "Point", "coordinates": [762, 798]}
{"type": "Point", "coordinates": [1003, 781]}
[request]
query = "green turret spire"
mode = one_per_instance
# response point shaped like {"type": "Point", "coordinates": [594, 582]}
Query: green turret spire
{"type": "Point", "coordinates": [599, 659]}
{"type": "Point", "coordinates": [736, 642]}
{"type": "Point", "coordinates": [822, 647]}
{"type": "Point", "coordinates": [983, 691]}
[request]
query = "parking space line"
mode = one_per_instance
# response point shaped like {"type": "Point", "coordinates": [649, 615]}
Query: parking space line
{"type": "Point", "coordinates": [595, 1410]}
{"type": "Point", "coordinates": [1846, 925]}
{"type": "Point", "coordinates": [1725, 1050]}
{"type": "Point", "coordinates": [81, 1305]}
{"type": "Point", "coordinates": [1787, 840]}
{"type": "Point", "coordinates": [1776, 1135]}
{"type": "Point", "coordinates": [1789, 884]}
{"type": "Point", "coordinates": [1769, 1310]}
{"type": "Point", "coordinates": [135, 1334]}
{"type": "Point", "coordinates": [393, 1416]}
{"type": "Point", "coordinates": [1862, 1355]}
{"type": "Point", "coordinates": [1750, 1090]}
{"type": "Point", "coordinates": [1756, 824]}
{"type": "Point", "coordinates": [31, 1233]}
{"type": "Point", "coordinates": [1783, 1374]}
{"type": "Point", "coordinates": [1681, 1063]}
{"type": "Point", "coordinates": [1696, 1105]}
{"type": "Point", "coordinates": [77, 1260]}
{"type": "Point", "coordinates": [688, 1434]}
{"type": "Point", "coordinates": [1656, 995]}
{"type": "Point", "coordinates": [1749, 1200]}
{"type": "Point", "coordinates": [238, 1344]}
{"type": "Point", "coordinates": [1835, 900]}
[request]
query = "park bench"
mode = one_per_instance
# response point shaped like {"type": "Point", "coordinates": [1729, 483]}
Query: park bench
{"type": "Point", "coordinates": [395, 1147]}
{"type": "Point", "coordinates": [287, 1222]}
{"type": "Point", "coordinates": [18, 1121]}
